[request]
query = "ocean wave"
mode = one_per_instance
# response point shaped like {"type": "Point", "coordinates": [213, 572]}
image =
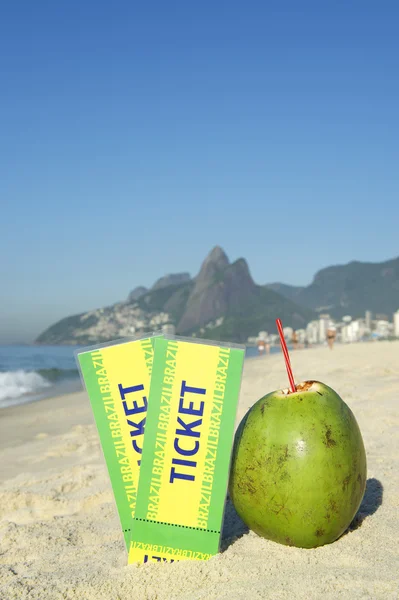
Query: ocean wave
{"type": "Point", "coordinates": [14, 384]}
{"type": "Point", "coordinates": [53, 375]}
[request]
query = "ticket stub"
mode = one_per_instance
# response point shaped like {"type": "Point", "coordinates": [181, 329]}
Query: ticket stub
{"type": "Point", "coordinates": [188, 441]}
{"type": "Point", "coordinates": [117, 379]}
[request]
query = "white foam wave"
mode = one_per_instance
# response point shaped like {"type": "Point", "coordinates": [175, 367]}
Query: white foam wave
{"type": "Point", "coordinates": [14, 384]}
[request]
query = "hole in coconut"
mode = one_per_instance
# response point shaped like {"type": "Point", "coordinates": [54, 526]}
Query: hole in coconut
{"type": "Point", "coordinates": [304, 386]}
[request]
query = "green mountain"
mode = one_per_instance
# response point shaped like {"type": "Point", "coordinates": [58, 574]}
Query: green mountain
{"type": "Point", "coordinates": [221, 302]}
{"type": "Point", "coordinates": [349, 289]}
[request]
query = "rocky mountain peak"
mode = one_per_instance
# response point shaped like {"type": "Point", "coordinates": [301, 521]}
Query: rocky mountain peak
{"type": "Point", "coordinates": [218, 286]}
{"type": "Point", "coordinates": [172, 279]}
{"type": "Point", "coordinates": [218, 257]}
{"type": "Point", "coordinates": [137, 293]}
{"type": "Point", "coordinates": [212, 267]}
{"type": "Point", "coordinates": [241, 269]}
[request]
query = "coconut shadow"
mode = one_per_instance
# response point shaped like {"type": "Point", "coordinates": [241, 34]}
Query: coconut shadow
{"type": "Point", "coordinates": [372, 500]}
{"type": "Point", "coordinates": [234, 528]}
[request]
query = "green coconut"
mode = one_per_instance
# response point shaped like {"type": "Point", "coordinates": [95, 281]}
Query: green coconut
{"type": "Point", "coordinates": [298, 471]}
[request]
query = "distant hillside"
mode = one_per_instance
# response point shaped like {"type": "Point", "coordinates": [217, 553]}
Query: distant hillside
{"type": "Point", "coordinates": [222, 302]}
{"type": "Point", "coordinates": [173, 279]}
{"type": "Point", "coordinates": [162, 282]}
{"type": "Point", "coordinates": [136, 293]}
{"type": "Point", "coordinates": [349, 289]}
{"type": "Point", "coordinates": [288, 291]}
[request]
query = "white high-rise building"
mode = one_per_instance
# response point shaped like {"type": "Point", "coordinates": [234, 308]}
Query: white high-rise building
{"type": "Point", "coordinates": [288, 331]}
{"type": "Point", "coordinates": [324, 323]}
{"type": "Point", "coordinates": [301, 334]}
{"type": "Point", "coordinates": [312, 332]}
{"type": "Point", "coordinates": [353, 331]}
{"type": "Point", "coordinates": [396, 323]}
{"type": "Point", "coordinates": [168, 329]}
{"type": "Point", "coordinates": [383, 328]}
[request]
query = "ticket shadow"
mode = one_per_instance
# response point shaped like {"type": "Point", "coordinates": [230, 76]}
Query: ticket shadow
{"type": "Point", "coordinates": [233, 527]}
{"type": "Point", "coordinates": [372, 500]}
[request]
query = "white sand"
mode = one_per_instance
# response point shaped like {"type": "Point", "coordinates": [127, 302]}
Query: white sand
{"type": "Point", "coordinates": [60, 535]}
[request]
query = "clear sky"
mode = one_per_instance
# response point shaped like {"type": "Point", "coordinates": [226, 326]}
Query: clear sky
{"type": "Point", "coordinates": [134, 136]}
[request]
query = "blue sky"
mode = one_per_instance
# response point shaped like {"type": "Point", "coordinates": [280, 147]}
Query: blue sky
{"type": "Point", "coordinates": [136, 136]}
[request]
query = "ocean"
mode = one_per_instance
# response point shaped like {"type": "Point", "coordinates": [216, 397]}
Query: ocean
{"type": "Point", "coordinates": [30, 373]}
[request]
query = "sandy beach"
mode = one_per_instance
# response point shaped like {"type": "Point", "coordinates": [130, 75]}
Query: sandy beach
{"type": "Point", "coordinates": [60, 536]}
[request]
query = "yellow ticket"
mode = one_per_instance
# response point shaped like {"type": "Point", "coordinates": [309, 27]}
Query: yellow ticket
{"type": "Point", "coordinates": [186, 456]}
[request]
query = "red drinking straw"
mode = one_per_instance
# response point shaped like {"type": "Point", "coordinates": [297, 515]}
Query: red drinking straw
{"type": "Point", "coordinates": [286, 355]}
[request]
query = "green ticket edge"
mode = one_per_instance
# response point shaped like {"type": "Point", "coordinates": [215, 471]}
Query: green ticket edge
{"type": "Point", "coordinates": [83, 357]}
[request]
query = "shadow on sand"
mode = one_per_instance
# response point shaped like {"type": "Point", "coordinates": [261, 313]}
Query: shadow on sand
{"type": "Point", "coordinates": [234, 528]}
{"type": "Point", "coordinates": [371, 502]}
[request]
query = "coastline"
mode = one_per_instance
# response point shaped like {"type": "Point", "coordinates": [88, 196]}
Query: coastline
{"type": "Point", "coordinates": [62, 388]}
{"type": "Point", "coordinates": [54, 382]}
{"type": "Point", "coordinates": [60, 535]}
